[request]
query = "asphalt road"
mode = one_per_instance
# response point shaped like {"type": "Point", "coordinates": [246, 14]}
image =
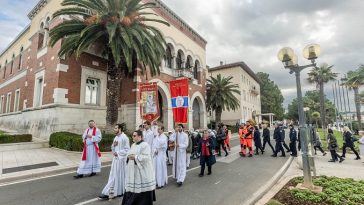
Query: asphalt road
{"type": "Point", "coordinates": [232, 182]}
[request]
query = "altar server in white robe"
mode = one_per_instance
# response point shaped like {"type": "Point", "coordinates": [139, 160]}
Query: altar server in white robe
{"type": "Point", "coordinates": [140, 177]}
{"type": "Point", "coordinates": [91, 162]}
{"type": "Point", "coordinates": [160, 145]}
{"type": "Point", "coordinates": [148, 135]}
{"type": "Point", "coordinates": [115, 186]}
{"type": "Point", "coordinates": [179, 169]}
{"type": "Point", "coordinates": [154, 128]}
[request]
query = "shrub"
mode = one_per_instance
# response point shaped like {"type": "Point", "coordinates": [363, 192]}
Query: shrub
{"type": "Point", "coordinates": [336, 191]}
{"type": "Point", "coordinates": [73, 142]}
{"type": "Point", "coordinates": [5, 138]}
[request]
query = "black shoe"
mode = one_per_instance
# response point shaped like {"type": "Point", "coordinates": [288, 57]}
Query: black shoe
{"type": "Point", "coordinates": [324, 154]}
{"type": "Point", "coordinates": [257, 153]}
{"type": "Point", "coordinates": [341, 160]}
{"type": "Point", "coordinates": [209, 173]}
{"type": "Point", "coordinates": [160, 187]}
{"type": "Point", "coordinates": [103, 197]}
{"type": "Point", "coordinates": [250, 155]}
{"type": "Point", "coordinates": [226, 154]}
{"type": "Point", "coordinates": [331, 160]}
{"type": "Point", "coordinates": [262, 151]}
{"type": "Point", "coordinates": [120, 195]}
{"type": "Point", "coordinates": [78, 176]}
{"type": "Point", "coordinates": [293, 155]}
{"type": "Point", "coordinates": [92, 174]}
{"type": "Point", "coordinates": [274, 155]}
{"type": "Point", "coordinates": [179, 183]}
{"type": "Point", "coordinates": [200, 175]}
{"type": "Point", "coordinates": [357, 158]}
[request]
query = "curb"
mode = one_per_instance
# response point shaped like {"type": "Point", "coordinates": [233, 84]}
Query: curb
{"type": "Point", "coordinates": [34, 176]}
{"type": "Point", "coordinates": [267, 186]}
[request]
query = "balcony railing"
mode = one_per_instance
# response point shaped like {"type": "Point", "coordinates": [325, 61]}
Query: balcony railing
{"type": "Point", "coordinates": [183, 72]}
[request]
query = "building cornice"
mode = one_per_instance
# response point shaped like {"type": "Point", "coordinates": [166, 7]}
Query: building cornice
{"type": "Point", "coordinates": [237, 64]}
{"type": "Point", "coordinates": [182, 25]}
{"type": "Point", "coordinates": [15, 40]}
{"type": "Point", "coordinates": [37, 8]}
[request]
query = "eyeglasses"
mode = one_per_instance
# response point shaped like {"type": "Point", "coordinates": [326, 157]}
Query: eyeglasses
{"type": "Point", "coordinates": [135, 135]}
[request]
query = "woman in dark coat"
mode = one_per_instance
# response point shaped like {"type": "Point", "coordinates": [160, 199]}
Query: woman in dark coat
{"type": "Point", "coordinates": [333, 147]}
{"type": "Point", "coordinates": [206, 154]}
{"type": "Point", "coordinates": [349, 142]}
{"type": "Point", "coordinates": [257, 141]}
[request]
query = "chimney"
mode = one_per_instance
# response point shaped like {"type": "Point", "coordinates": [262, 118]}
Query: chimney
{"type": "Point", "coordinates": [221, 63]}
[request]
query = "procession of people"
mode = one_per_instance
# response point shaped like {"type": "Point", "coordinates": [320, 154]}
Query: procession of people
{"type": "Point", "coordinates": [140, 167]}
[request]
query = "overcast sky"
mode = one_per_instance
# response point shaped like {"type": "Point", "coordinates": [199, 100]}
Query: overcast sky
{"type": "Point", "coordinates": [253, 31]}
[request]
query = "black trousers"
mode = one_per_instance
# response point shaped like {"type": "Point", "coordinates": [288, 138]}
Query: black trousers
{"type": "Point", "coordinates": [335, 156]}
{"type": "Point", "coordinates": [285, 146]}
{"type": "Point", "coordinates": [318, 147]}
{"type": "Point", "coordinates": [279, 148]}
{"type": "Point", "coordinates": [352, 149]}
{"type": "Point", "coordinates": [265, 142]}
{"type": "Point", "coordinates": [292, 147]}
{"type": "Point", "coordinates": [220, 144]}
{"type": "Point", "coordinates": [203, 169]}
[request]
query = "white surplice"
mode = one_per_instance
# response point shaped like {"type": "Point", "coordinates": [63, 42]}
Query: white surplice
{"type": "Point", "coordinates": [140, 175]}
{"type": "Point", "coordinates": [160, 144]}
{"type": "Point", "coordinates": [116, 183]}
{"type": "Point", "coordinates": [180, 158]}
{"type": "Point", "coordinates": [148, 137]}
{"type": "Point", "coordinates": [92, 164]}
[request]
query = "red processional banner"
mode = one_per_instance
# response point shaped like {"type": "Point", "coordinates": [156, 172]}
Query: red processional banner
{"type": "Point", "coordinates": [149, 104]}
{"type": "Point", "coordinates": [179, 94]}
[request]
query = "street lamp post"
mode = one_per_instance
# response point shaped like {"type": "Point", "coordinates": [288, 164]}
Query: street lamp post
{"type": "Point", "coordinates": [289, 60]}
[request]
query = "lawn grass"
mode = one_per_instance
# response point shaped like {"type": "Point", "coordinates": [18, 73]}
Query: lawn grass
{"type": "Point", "coordinates": [338, 135]}
{"type": "Point", "coordinates": [1, 132]}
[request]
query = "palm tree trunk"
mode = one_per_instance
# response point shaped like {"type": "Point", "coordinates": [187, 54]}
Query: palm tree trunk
{"type": "Point", "coordinates": [112, 95]}
{"type": "Point", "coordinates": [218, 114]}
{"type": "Point", "coordinates": [322, 106]}
{"type": "Point", "coordinates": [357, 105]}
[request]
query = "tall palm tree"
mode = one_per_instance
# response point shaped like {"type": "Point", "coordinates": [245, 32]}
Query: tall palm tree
{"type": "Point", "coordinates": [320, 76]}
{"type": "Point", "coordinates": [354, 80]}
{"type": "Point", "coordinates": [220, 95]}
{"type": "Point", "coordinates": [118, 29]}
{"type": "Point", "coordinates": [362, 97]}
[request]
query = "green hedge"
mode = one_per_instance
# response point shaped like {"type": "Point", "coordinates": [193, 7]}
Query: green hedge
{"type": "Point", "coordinates": [5, 138]}
{"type": "Point", "coordinates": [73, 142]}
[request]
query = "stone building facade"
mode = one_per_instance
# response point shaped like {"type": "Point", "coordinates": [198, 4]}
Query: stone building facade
{"type": "Point", "coordinates": [249, 98]}
{"type": "Point", "coordinates": [41, 93]}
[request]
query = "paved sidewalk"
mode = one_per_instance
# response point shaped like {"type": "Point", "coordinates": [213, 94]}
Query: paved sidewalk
{"type": "Point", "coordinates": [350, 168]}
{"type": "Point", "coordinates": [23, 164]}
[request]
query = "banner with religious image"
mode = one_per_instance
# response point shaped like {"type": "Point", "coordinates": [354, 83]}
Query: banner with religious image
{"type": "Point", "coordinates": [179, 94]}
{"type": "Point", "coordinates": [149, 106]}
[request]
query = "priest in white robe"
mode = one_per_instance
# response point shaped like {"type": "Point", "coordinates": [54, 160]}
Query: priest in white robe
{"type": "Point", "coordinates": [148, 135]}
{"type": "Point", "coordinates": [91, 155]}
{"type": "Point", "coordinates": [179, 169]}
{"type": "Point", "coordinates": [115, 186]}
{"type": "Point", "coordinates": [140, 177]}
{"type": "Point", "coordinates": [160, 145]}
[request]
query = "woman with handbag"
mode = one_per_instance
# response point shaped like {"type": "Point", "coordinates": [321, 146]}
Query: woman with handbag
{"type": "Point", "coordinates": [206, 155]}
{"type": "Point", "coordinates": [333, 147]}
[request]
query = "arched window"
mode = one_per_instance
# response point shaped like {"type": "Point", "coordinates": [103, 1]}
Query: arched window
{"type": "Point", "coordinates": [6, 63]}
{"type": "Point", "coordinates": [195, 69]}
{"type": "Point", "coordinates": [12, 64]}
{"type": "Point", "coordinates": [189, 62]}
{"type": "Point", "coordinates": [20, 58]}
{"type": "Point", "coordinates": [180, 59]}
{"type": "Point", "coordinates": [169, 57]}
